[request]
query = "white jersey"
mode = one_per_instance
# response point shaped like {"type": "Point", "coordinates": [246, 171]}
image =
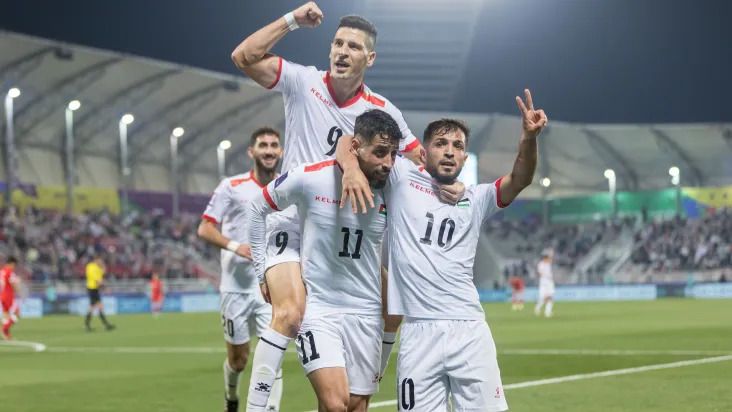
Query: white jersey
{"type": "Point", "coordinates": [228, 206]}
{"type": "Point", "coordinates": [341, 263]}
{"type": "Point", "coordinates": [315, 120]}
{"type": "Point", "coordinates": [432, 245]}
{"type": "Point", "coordinates": [544, 269]}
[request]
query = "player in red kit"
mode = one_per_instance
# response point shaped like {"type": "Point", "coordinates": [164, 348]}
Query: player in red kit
{"type": "Point", "coordinates": [9, 283]}
{"type": "Point", "coordinates": [517, 292]}
{"type": "Point", "coordinates": [156, 294]}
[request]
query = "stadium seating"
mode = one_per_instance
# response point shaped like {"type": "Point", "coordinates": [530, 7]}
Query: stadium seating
{"type": "Point", "coordinates": [54, 246]}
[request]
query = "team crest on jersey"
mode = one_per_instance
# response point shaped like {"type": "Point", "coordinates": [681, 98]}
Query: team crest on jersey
{"type": "Point", "coordinates": [281, 178]}
{"type": "Point", "coordinates": [464, 202]}
{"type": "Point", "coordinates": [382, 209]}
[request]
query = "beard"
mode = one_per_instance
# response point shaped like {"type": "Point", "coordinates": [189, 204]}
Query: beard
{"type": "Point", "coordinates": [443, 179]}
{"type": "Point", "coordinates": [260, 165]}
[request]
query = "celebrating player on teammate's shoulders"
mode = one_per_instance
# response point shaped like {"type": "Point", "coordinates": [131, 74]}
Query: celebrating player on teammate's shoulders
{"type": "Point", "coordinates": [320, 108]}
{"type": "Point", "coordinates": [431, 255]}
{"type": "Point", "coordinates": [241, 301]}
{"type": "Point", "coordinates": [9, 287]}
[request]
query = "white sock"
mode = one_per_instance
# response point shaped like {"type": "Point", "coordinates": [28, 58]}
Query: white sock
{"type": "Point", "coordinates": [273, 404]}
{"type": "Point", "coordinates": [537, 309]}
{"type": "Point", "coordinates": [386, 345]}
{"type": "Point", "coordinates": [267, 361]}
{"type": "Point", "coordinates": [231, 381]}
{"type": "Point", "coordinates": [549, 306]}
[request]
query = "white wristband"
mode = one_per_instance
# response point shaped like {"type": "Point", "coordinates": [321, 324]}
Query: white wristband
{"type": "Point", "coordinates": [291, 22]}
{"type": "Point", "coordinates": [233, 245]}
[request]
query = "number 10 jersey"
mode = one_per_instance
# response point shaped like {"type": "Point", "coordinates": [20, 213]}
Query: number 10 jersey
{"type": "Point", "coordinates": [432, 245]}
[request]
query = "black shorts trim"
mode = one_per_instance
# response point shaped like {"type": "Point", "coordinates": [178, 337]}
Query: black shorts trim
{"type": "Point", "coordinates": [94, 297]}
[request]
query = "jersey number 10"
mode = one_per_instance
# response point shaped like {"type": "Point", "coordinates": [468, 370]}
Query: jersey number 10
{"type": "Point", "coordinates": [446, 225]}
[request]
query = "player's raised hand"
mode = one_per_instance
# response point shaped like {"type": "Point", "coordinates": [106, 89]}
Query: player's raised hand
{"type": "Point", "coordinates": [533, 120]}
{"type": "Point", "coordinates": [356, 188]}
{"type": "Point", "coordinates": [308, 15]}
{"type": "Point", "coordinates": [451, 193]}
{"type": "Point", "coordinates": [245, 251]}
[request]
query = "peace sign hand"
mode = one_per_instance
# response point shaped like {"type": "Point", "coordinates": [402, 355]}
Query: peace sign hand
{"type": "Point", "coordinates": [533, 120]}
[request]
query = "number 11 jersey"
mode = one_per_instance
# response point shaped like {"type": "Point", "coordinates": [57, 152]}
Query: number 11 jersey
{"type": "Point", "coordinates": [432, 245]}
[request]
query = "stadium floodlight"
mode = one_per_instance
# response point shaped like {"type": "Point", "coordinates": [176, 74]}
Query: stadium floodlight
{"type": "Point", "coordinates": [546, 182]}
{"type": "Point", "coordinates": [14, 92]}
{"type": "Point", "coordinates": [225, 145]}
{"type": "Point", "coordinates": [74, 105]}
{"type": "Point", "coordinates": [178, 131]}
{"type": "Point", "coordinates": [609, 174]}
{"type": "Point", "coordinates": [673, 171]}
{"type": "Point", "coordinates": [127, 119]}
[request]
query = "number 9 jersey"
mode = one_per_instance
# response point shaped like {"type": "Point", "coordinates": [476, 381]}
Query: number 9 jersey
{"type": "Point", "coordinates": [432, 245]}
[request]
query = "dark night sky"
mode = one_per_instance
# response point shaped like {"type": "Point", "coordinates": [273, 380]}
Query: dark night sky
{"type": "Point", "coordinates": [631, 61]}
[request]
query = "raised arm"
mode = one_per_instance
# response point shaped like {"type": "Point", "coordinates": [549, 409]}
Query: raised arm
{"type": "Point", "coordinates": [533, 122]}
{"type": "Point", "coordinates": [252, 56]}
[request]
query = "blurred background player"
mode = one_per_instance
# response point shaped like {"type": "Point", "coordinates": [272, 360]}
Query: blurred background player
{"type": "Point", "coordinates": [546, 283]}
{"type": "Point", "coordinates": [94, 283]}
{"type": "Point", "coordinates": [156, 295]}
{"type": "Point", "coordinates": [517, 292]}
{"type": "Point", "coordinates": [242, 306]}
{"type": "Point", "coordinates": [9, 286]}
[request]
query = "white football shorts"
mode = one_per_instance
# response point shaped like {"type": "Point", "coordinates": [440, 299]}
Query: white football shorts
{"type": "Point", "coordinates": [346, 341]}
{"type": "Point", "coordinates": [438, 358]}
{"type": "Point", "coordinates": [283, 237]}
{"type": "Point", "coordinates": [244, 315]}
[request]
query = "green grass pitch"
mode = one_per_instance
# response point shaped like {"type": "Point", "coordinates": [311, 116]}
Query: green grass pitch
{"type": "Point", "coordinates": [100, 372]}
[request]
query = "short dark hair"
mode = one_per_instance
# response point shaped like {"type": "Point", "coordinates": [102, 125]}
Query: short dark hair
{"type": "Point", "coordinates": [444, 126]}
{"type": "Point", "coordinates": [11, 259]}
{"type": "Point", "coordinates": [261, 132]}
{"type": "Point", "coordinates": [375, 122]}
{"type": "Point", "coordinates": [357, 22]}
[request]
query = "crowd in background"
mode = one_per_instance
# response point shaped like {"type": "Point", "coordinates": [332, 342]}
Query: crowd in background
{"type": "Point", "coordinates": [685, 244]}
{"type": "Point", "coordinates": [56, 246]}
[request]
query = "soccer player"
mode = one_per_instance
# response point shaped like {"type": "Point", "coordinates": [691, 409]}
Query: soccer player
{"type": "Point", "coordinates": [156, 295]}
{"type": "Point", "coordinates": [242, 305]}
{"type": "Point", "coordinates": [339, 343]}
{"type": "Point", "coordinates": [94, 283]}
{"type": "Point", "coordinates": [517, 292]}
{"type": "Point", "coordinates": [9, 284]}
{"type": "Point", "coordinates": [546, 283]}
{"type": "Point", "coordinates": [320, 107]}
{"type": "Point", "coordinates": [446, 347]}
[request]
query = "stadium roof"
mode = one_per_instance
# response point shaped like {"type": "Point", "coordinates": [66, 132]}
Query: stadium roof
{"type": "Point", "coordinates": [213, 106]}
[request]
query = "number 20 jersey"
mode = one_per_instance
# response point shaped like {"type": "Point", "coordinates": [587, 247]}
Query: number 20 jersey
{"type": "Point", "coordinates": [432, 245]}
{"type": "Point", "coordinates": [316, 120]}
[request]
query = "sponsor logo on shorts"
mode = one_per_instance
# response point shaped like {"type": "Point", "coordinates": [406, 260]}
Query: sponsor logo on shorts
{"type": "Point", "coordinates": [498, 393]}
